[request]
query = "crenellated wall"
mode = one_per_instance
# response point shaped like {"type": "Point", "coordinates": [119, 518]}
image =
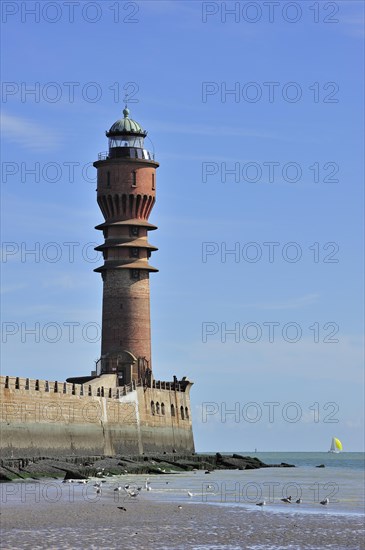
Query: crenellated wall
{"type": "Point", "coordinates": [52, 418]}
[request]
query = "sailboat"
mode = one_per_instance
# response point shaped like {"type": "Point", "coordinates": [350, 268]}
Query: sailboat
{"type": "Point", "coordinates": [336, 445]}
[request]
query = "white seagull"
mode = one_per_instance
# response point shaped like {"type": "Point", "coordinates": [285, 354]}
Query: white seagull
{"type": "Point", "coordinates": [190, 494]}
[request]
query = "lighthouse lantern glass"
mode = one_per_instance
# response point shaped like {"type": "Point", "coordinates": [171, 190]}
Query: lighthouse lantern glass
{"type": "Point", "coordinates": [126, 141]}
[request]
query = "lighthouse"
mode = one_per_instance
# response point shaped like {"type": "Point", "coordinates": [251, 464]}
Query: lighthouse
{"type": "Point", "coordinates": [120, 409]}
{"type": "Point", "coordinates": [126, 192]}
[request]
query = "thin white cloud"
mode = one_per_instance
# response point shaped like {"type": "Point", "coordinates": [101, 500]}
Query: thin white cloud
{"type": "Point", "coordinates": [28, 134]}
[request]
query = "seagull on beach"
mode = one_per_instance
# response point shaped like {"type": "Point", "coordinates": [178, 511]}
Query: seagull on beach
{"type": "Point", "coordinates": [286, 500]}
{"type": "Point", "coordinates": [298, 501]}
{"type": "Point", "coordinates": [131, 493]}
{"type": "Point", "coordinates": [190, 494]}
{"type": "Point", "coordinates": [324, 502]}
{"type": "Point", "coordinates": [119, 488]}
{"type": "Point", "coordinates": [122, 508]}
{"type": "Point", "coordinates": [261, 504]}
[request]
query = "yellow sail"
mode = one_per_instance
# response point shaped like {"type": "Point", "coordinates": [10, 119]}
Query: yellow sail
{"type": "Point", "coordinates": [338, 444]}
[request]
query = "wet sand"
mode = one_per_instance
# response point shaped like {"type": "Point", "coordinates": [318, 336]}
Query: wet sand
{"type": "Point", "coordinates": [154, 525]}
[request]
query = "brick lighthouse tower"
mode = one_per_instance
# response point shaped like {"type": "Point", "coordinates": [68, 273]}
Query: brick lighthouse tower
{"type": "Point", "coordinates": [126, 189]}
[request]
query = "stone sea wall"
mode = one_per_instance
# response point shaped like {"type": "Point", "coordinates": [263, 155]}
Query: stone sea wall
{"type": "Point", "coordinates": [51, 418]}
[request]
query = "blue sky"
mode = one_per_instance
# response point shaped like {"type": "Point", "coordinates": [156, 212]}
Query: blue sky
{"type": "Point", "coordinates": [307, 79]}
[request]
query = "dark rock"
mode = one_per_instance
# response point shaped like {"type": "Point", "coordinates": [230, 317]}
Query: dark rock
{"type": "Point", "coordinates": [73, 474]}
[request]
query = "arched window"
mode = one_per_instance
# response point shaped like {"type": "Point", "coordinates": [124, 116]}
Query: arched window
{"type": "Point", "coordinates": [134, 178]}
{"type": "Point", "coordinates": [102, 391]}
{"type": "Point", "coordinates": [157, 408]}
{"type": "Point", "coordinates": [153, 182]}
{"type": "Point", "coordinates": [73, 389]}
{"type": "Point", "coordinates": [46, 386]}
{"type": "Point", "coordinates": [81, 389]}
{"type": "Point", "coordinates": [182, 413]}
{"type": "Point", "coordinates": [36, 387]}
{"type": "Point", "coordinates": [27, 384]}
{"type": "Point", "coordinates": [89, 391]}
{"type": "Point", "coordinates": [17, 383]}
{"type": "Point", "coordinates": [64, 387]}
{"type": "Point", "coordinates": [55, 388]}
{"type": "Point", "coordinates": [6, 381]}
{"type": "Point", "coordinates": [110, 393]}
{"type": "Point", "coordinates": [163, 408]}
{"type": "Point", "coordinates": [98, 392]}
{"type": "Point", "coordinates": [172, 410]}
{"type": "Point", "coordinates": [152, 407]}
{"type": "Point", "coordinates": [187, 413]}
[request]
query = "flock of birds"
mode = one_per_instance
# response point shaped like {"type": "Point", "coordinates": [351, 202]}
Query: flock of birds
{"type": "Point", "coordinates": [288, 500]}
{"type": "Point", "coordinates": [133, 492]}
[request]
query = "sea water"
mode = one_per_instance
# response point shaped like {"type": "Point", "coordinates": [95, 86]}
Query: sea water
{"type": "Point", "coordinates": [341, 480]}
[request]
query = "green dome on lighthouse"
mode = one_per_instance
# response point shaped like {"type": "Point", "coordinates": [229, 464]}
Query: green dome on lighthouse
{"type": "Point", "coordinates": [126, 126]}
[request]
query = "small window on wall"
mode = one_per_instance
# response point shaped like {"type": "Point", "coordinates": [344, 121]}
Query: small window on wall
{"type": "Point", "coordinates": [134, 178]}
{"type": "Point", "coordinates": [134, 252]}
{"type": "Point", "coordinates": [153, 182]}
{"type": "Point", "coordinates": [134, 231]}
{"type": "Point", "coordinates": [135, 274]}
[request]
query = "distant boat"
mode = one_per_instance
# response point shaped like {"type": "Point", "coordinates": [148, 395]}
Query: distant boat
{"type": "Point", "coordinates": [336, 445]}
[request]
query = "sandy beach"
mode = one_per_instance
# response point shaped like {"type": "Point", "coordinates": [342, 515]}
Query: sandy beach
{"type": "Point", "coordinates": [153, 525]}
